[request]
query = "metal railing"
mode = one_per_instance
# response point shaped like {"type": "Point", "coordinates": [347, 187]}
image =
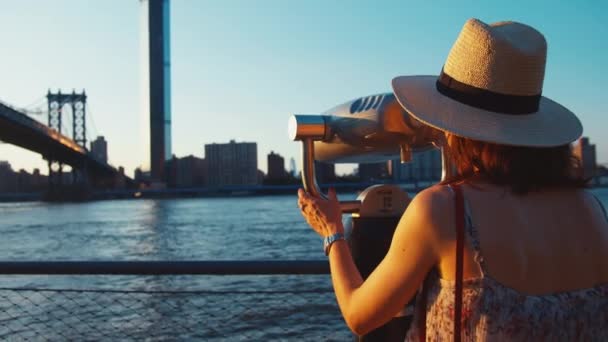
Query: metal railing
{"type": "Point", "coordinates": [177, 300]}
{"type": "Point", "coordinates": [225, 267]}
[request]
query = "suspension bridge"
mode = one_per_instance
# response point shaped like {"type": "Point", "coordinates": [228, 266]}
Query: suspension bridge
{"type": "Point", "coordinates": [61, 142]}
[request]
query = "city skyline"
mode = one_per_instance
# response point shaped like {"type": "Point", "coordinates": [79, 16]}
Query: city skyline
{"type": "Point", "coordinates": [239, 70]}
{"type": "Point", "coordinates": [234, 164]}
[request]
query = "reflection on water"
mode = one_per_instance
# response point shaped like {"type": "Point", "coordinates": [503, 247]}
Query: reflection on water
{"type": "Point", "coordinates": [173, 229]}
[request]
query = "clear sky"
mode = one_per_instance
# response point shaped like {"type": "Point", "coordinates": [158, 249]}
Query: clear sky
{"type": "Point", "coordinates": [241, 68]}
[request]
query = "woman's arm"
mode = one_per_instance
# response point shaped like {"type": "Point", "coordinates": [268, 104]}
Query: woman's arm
{"type": "Point", "coordinates": [413, 251]}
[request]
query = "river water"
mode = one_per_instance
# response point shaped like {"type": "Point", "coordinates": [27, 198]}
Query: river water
{"type": "Point", "coordinates": [221, 307]}
{"type": "Point", "coordinates": [241, 228]}
{"type": "Point", "coordinates": [172, 229]}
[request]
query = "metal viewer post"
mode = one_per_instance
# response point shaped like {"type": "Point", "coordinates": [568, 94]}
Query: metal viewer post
{"type": "Point", "coordinates": [308, 129]}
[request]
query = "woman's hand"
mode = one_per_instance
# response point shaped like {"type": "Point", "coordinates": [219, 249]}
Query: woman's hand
{"type": "Point", "coordinates": [323, 215]}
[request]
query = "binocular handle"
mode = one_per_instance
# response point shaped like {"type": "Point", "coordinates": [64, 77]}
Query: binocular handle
{"type": "Point", "coordinates": [308, 129]}
{"type": "Point", "coordinates": [309, 179]}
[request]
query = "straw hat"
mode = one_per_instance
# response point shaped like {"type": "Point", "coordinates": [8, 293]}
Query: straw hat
{"type": "Point", "coordinates": [490, 90]}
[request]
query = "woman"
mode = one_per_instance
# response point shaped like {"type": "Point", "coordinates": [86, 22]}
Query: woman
{"type": "Point", "coordinates": [535, 263]}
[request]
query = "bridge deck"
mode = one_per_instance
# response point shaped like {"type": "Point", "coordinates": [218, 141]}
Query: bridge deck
{"type": "Point", "coordinates": [19, 129]}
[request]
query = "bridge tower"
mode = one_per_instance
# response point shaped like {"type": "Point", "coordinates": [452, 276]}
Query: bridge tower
{"type": "Point", "coordinates": [57, 102]}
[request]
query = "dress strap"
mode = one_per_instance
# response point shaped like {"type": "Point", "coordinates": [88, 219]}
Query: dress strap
{"type": "Point", "coordinates": [460, 222]}
{"type": "Point", "coordinates": [474, 237]}
{"type": "Point", "coordinates": [471, 233]}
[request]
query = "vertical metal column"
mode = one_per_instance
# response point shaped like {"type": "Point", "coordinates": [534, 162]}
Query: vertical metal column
{"type": "Point", "coordinates": [79, 133]}
{"type": "Point", "coordinates": [79, 128]}
{"type": "Point", "coordinates": [54, 115]}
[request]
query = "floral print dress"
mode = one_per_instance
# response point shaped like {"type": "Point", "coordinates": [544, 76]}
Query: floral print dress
{"type": "Point", "coordinates": [492, 311]}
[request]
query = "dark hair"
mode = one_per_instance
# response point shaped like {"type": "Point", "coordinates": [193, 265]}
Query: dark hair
{"type": "Point", "coordinates": [523, 169]}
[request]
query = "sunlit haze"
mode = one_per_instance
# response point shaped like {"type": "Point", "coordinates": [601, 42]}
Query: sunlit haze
{"type": "Point", "coordinates": [241, 68]}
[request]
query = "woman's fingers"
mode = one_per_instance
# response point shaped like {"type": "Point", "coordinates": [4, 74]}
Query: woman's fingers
{"type": "Point", "coordinates": [303, 199]}
{"type": "Point", "coordinates": [323, 215]}
{"type": "Point", "coordinates": [332, 194]}
{"type": "Point", "coordinates": [312, 208]}
{"type": "Point", "coordinates": [313, 203]}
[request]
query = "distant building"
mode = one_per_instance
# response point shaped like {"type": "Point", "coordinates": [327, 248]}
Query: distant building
{"type": "Point", "coordinates": [325, 172]}
{"type": "Point", "coordinates": [188, 171]}
{"type": "Point", "coordinates": [232, 163]}
{"type": "Point", "coordinates": [155, 73]}
{"type": "Point", "coordinates": [120, 180]}
{"type": "Point", "coordinates": [292, 168]}
{"type": "Point", "coordinates": [142, 178]}
{"type": "Point", "coordinates": [373, 171]}
{"type": "Point", "coordinates": [585, 152]}
{"type": "Point", "coordinates": [425, 166]}
{"type": "Point", "coordinates": [7, 177]}
{"type": "Point", "coordinates": [24, 181]}
{"type": "Point", "coordinates": [261, 176]}
{"type": "Point", "coordinates": [276, 167]}
{"type": "Point", "coordinates": [39, 181]}
{"type": "Point", "coordinates": [138, 175]}
{"type": "Point", "coordinates": [20, 181]}
{"type": "Point", "coordinates": [99, 148]}
{"type": "Point", "coordinates": [5, 166]}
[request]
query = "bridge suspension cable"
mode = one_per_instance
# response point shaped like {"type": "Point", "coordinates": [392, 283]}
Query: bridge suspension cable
{"type": "Point", "coordinates": [35, 108]}
{"type": "Point", "coordinates": [92, 132]}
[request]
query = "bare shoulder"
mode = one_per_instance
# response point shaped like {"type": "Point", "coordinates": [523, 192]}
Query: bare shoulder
{"type": "Point", "coordinates": [433, 209]}
{"type": "Point", "coordinates": [435, 195]}
{"type": "Point", "coordinates": [584, 199]}
{"type": "Point", "coordinates": [433, 200]}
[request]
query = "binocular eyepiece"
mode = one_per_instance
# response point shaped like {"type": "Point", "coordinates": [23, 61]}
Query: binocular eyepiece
{"type": "Point", "coordinates": [366, 130]}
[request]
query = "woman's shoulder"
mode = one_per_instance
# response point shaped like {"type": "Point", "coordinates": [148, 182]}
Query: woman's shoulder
{"type": "Point", "coordinates": [434, 206]}
{"type": "Point", "coordinates": [434, 198]}
{"type": "Point", "coordinates": [437, 192]}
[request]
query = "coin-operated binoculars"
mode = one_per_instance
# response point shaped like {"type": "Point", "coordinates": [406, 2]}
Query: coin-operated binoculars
{"type": "Point", "coordinates": [366, 130]}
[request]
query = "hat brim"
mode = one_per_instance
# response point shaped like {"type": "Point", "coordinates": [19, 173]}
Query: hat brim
{"type": "Point", "coordinates": [552, 125]}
